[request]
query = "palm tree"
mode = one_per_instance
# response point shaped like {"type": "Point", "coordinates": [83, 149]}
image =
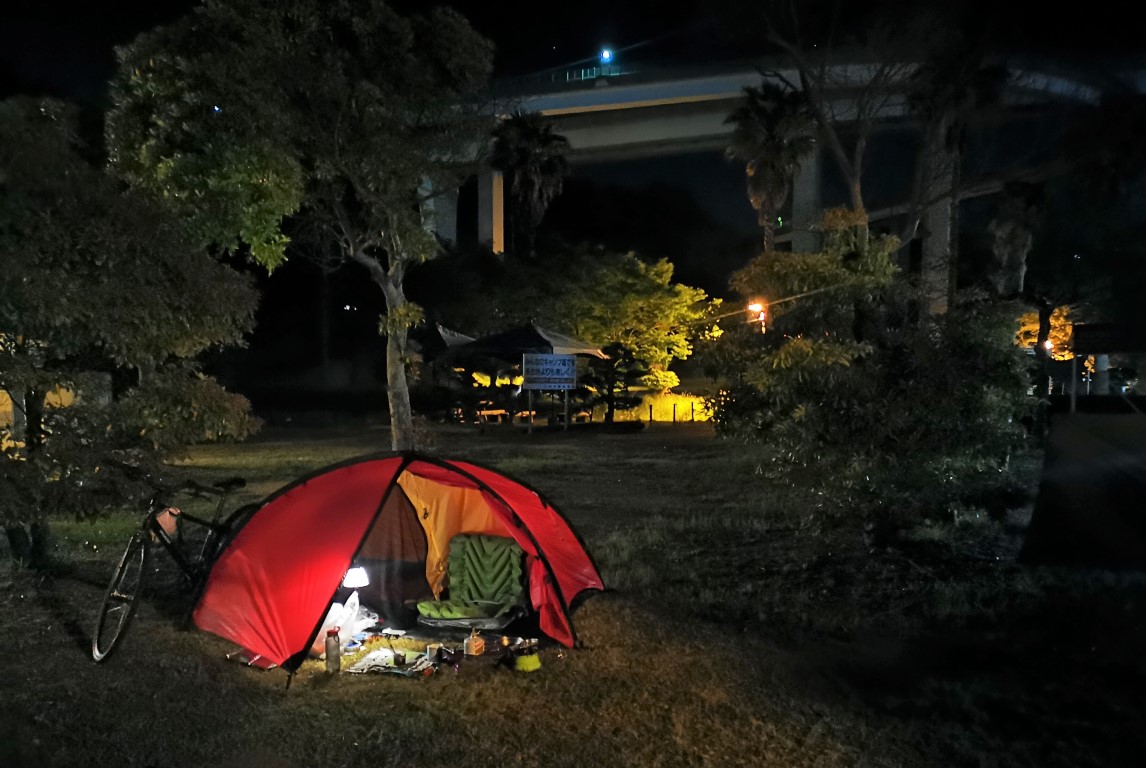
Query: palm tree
{"type": "Point", "coordinates": [526, 149]}
{"type": "Point", "coordinates": [774, 131]}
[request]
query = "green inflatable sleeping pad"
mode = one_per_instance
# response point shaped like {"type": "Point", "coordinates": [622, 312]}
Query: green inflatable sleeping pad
{"type": "Point", "coordinates": [484, 574]}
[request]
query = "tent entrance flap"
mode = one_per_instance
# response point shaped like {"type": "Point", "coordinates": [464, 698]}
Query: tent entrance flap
{"type": "Point", "coordinates": [394, 556]}
{"type": "Point", "coordinates": [445, 509]}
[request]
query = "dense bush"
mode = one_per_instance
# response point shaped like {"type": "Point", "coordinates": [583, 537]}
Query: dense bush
{"type": "Point", "coordinates": [902, 415]}
{"type": "Point", "coordinates": [105, 303]}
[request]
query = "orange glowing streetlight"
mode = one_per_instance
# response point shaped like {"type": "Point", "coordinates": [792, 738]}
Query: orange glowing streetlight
{"type": "Point", "coordinates": [759, 312]}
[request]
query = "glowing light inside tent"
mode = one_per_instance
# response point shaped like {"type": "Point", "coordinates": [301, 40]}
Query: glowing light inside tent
{"type": "Point", "coordinates": [356, 578]}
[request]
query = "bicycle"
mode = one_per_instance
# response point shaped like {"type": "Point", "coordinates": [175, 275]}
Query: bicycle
{"type": "Point", "coordinates": [163, 525]}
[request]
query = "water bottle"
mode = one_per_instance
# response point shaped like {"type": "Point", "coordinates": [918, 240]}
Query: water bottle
{"type": "Point", "coordinates": [333, 651]}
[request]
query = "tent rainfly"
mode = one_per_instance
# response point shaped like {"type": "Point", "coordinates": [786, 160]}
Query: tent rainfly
{"type": "Point", "coordinates": [272, 586]}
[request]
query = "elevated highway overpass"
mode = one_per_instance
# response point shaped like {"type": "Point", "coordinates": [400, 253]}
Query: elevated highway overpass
{"type": "Point", "coordinates": [610, 113]}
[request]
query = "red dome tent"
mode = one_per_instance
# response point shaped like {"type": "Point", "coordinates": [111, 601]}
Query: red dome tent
{"type": "Point", "coordinates": [271, 588]}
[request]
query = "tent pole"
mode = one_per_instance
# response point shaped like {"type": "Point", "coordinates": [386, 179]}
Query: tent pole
{"type": "Point", "coordinates": [529, 408]}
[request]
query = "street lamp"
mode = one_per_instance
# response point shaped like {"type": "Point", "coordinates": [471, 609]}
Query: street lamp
{"type": "Point", "coordinates": [759, 314]}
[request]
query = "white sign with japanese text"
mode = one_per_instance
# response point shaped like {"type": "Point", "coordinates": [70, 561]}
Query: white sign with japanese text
{"type": "Point", "coordinates": [549, 371]}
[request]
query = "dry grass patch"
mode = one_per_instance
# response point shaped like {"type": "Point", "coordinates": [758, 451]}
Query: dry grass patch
{"type": "Point", "coordinates": [745, 628]}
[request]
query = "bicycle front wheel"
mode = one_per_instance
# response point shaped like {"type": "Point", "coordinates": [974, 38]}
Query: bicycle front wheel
{"type": "Point", "coordinates": [120, 599]}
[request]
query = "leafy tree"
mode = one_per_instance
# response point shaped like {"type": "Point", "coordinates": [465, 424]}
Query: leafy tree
{"type": "Point", "coordinates": [843, 380]}
{"type": "Point", "coordinates": [1060, 329]}
{"type": "Point", "coordinates": [1019, 212]}
{"type": "Point", "coordinates": [796, 369]}
{"type": "Point", "coordinates": [773, 133]}
{"type": "Point", "coordinates": [623, 299]}
{"type": "Point", "coordinates": [526, 148]}
{"type": "Point", "coordinates": [613, 377]}
{"type": "Point", "coordinates": [598, 295]}
{"type": "Point", "coordinates": [98, 284]}
{"type": "Point", "coordinates": [350, 113]}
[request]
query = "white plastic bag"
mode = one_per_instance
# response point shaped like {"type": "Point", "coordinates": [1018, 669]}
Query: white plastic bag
{"type": "Point", "coordinates": [355, 618]}
{"type": "Point", "coordinates": [351, 619]}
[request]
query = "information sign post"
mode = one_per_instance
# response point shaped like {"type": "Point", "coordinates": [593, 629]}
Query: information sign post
{"type": "Point", "coordinates": [548, 372]}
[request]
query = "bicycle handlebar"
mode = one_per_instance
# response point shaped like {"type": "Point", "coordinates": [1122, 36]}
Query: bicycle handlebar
{"type": "Point", "coordinates": [215, 490]}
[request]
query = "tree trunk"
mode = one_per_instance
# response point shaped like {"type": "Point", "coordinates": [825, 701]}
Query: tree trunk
{"type": "Point", "coordinates": [855, 193]}
{"type": "Point", "coordinates": [19, 419]}
{"type": "Point", "coordinates": [28, 543]}
{"type": "Point", "coordinates": [397, 389]}
{"type": "Point", "coordinates": [1046, 309]}
{"type": "Point", "coordinates": [33, 420]}
{"type": "Point", "coordinates": [768, 227]}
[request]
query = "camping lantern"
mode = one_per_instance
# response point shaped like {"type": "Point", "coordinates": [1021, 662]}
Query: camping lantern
{"type": "Point", "coordinates": [356, 578]}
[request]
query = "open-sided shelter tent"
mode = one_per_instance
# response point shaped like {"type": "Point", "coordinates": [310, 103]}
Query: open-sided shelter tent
{"type": "Point", "coordinates": [271, 588]}
{"type": "Point", "coordinates": [433, 341]}
{"type": "Point", "coordinates": [512, 343]}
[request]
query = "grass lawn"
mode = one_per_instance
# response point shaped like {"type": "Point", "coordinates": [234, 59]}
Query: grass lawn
{"type": "Point", "coordinates": [743, 626]}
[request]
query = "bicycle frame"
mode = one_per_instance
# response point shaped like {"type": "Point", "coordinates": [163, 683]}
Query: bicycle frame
{"type": "Point", "coordinates": [126, 585]}
{"type": "Point", "coordinates": [194, 569]}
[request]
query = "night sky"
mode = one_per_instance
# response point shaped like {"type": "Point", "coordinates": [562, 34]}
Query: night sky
{"type": "Point", "coordinates": [66, 47]}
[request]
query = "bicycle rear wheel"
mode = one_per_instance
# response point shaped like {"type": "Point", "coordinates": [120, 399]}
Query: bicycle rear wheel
{"type": "Point", "coordinates": [121, 596]}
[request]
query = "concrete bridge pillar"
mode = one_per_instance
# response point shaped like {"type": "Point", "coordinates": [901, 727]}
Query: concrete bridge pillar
{"type": "Point", "coordinates": [1101, 375]}
{"type": "Point", "coordinates": [441, 215]}
{"type": "Point", "coordinates": [806, 205]}
{"type": "Point", "coordinates": [940, 244]}
{"type": "Point", "coordinates": [491, 210]}
{"type": "Point", "coordinates": [937, 257]}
